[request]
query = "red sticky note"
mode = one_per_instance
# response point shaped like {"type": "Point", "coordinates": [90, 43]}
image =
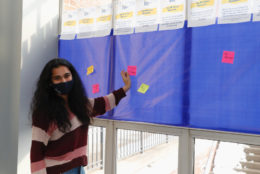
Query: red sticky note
{"type": "Point", "coordinates": [131, 70]}
{"type": "Point", "coordinates": [95, 88]}
{"type": "Point", "coordinates": [228, 57]}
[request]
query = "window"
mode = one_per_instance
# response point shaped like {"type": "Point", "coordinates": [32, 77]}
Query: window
{"type": "Point", "coordinates": [220, 157]}
{"type": "Point", "coordinates": [141, 152]}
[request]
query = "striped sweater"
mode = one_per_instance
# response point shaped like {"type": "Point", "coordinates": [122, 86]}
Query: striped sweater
{"type": "Point", "coordinates": [54, 152]}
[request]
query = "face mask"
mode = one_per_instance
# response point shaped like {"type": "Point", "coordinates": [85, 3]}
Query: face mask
{"type": "Point", "coordinates": [63, 88]}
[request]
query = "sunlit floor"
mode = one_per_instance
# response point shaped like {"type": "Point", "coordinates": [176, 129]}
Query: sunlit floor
{"type": "Point", "coordinates": [161, 159]}
{"type": "Point", "coordinates": [228, 157]}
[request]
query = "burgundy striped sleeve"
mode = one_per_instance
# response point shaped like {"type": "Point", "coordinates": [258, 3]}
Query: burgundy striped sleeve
{"type": "Point", "coordinates": [119, 94]}
{"type": "Point", "coordinates": [103, 104]}
{"type": "Point", "coordinates": [40, 138]}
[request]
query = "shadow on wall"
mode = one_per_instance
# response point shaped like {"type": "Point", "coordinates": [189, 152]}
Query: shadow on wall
{"type": "Point", "coordinates": [39, 45]}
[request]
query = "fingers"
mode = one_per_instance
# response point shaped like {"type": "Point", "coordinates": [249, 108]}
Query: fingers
{"type": "Point", "coordinates": [124, 74]}
{"type": "Point", "coordinates": [126, 79]}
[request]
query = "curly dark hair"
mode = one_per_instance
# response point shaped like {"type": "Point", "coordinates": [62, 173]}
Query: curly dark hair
{"type": "Point", "coordinates": [46, 103]}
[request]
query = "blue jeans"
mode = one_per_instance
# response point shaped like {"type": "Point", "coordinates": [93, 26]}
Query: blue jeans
{"type": "Point", "coordinates": [77, 170]}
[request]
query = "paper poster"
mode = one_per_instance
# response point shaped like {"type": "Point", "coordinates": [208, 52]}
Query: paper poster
{"type": "Point", "coordinates": [69, 25]}
{"type": "Point", "coordinates": [201, 12]}
{"type": "Point", "coordinates": [228, 57]}
{"type": "Point", "coordinates": [90, 70]}
{"type": "Point", "coordinates": [143, 88]}
{"type": "Point", "coordinates": [256, 10]}
{"type": "Point", "coordinates": [172, 14]}
{"type": "Point", "coordinates": [95, 88]}
{"type": "Point", "coordinates": [124, 17]}
{"type": "Point", "coordinates": [87, 22]}
{"type": "Point", "coordinates": [147, 15]}
{"type": "Point", "coordinates": [234, 11]}
{"type": "Point", "coordinates": [131, 70]}
{"type": "Point", "coordinates": [104, 18]}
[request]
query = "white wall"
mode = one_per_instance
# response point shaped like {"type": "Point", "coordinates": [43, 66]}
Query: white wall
{"type": "Point", "coordinates": [39, 45]}
{"type": "Point", "coordinates": [10, 54]}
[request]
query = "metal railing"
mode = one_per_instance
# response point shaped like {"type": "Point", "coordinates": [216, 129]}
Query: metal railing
{"type": "Point", "coordinates": [129, 142]}
{"type": "Point", "coordinates": [96, 146]}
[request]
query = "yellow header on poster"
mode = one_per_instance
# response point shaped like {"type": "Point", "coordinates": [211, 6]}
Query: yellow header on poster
{"type": "Point", "coordinates": [173, 8]}
{"type": "Point", "coordinates": [233, 1]}
{"type": "Point", "coordinates": [86, 21]}
{"type": "Point", "coordinates": [104, 18]}
{"type": "Point", "coordinates": [147, 12]}
{"type": "Point", "coordinates": [143, 88]}
{"type": "Point", "coordinates": [125, 15]}
{"type": "Point", "coordinates": [202, 4]}
{"type": "Point", "coordinates": [90, 70]}
{"type": "Point", "coordinates": [70, 23]}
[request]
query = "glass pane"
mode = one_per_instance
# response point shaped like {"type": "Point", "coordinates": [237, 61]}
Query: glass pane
{"type": "Point", "coordinates": [96, 150]}
{"type": "Point", "coordinates": [217, 157]}
{"type": "Point", "coordinates": [143, 152]}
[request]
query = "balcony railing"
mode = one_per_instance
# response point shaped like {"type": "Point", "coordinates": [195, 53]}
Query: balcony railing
{"type": "Point", "coordinates": [129, 142]}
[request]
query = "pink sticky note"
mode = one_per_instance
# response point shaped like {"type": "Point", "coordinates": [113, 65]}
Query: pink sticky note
{"type": "Point", "coordinates": [228, 57]}
{"type": "Point", "coordinates": [131, 70]}
{"type": "Point", "coordinates": [95, 88]}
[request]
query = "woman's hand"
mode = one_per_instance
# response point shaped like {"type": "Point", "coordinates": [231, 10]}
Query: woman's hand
{"type": "Point", "coordinates": [126, 79]}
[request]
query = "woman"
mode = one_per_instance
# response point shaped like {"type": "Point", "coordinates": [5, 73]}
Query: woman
{"type": "Point", "coordinates": [61, 114]}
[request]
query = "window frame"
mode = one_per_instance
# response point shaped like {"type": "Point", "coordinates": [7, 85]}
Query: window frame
{"type": "Point", "coordinates": [186, 140]}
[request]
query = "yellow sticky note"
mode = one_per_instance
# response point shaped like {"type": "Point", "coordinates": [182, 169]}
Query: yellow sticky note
{"type": "Point", "coordinates": [90, 70]}
{"type": "Point", "coordinates": [143, 88]}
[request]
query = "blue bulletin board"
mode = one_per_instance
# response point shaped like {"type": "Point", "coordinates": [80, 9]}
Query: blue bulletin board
{"type": "Point", "coordinates": [202, 77]}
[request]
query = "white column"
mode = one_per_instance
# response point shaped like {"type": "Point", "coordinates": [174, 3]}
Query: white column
{"type": "Point", "coordinates": [39, 45]}
{"type": "Point", "coordinates": [110, 150]}
{"type": "Point", "coordinates": [10, 55]}
{"type": "Point", "coordinates": [186, 151]}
